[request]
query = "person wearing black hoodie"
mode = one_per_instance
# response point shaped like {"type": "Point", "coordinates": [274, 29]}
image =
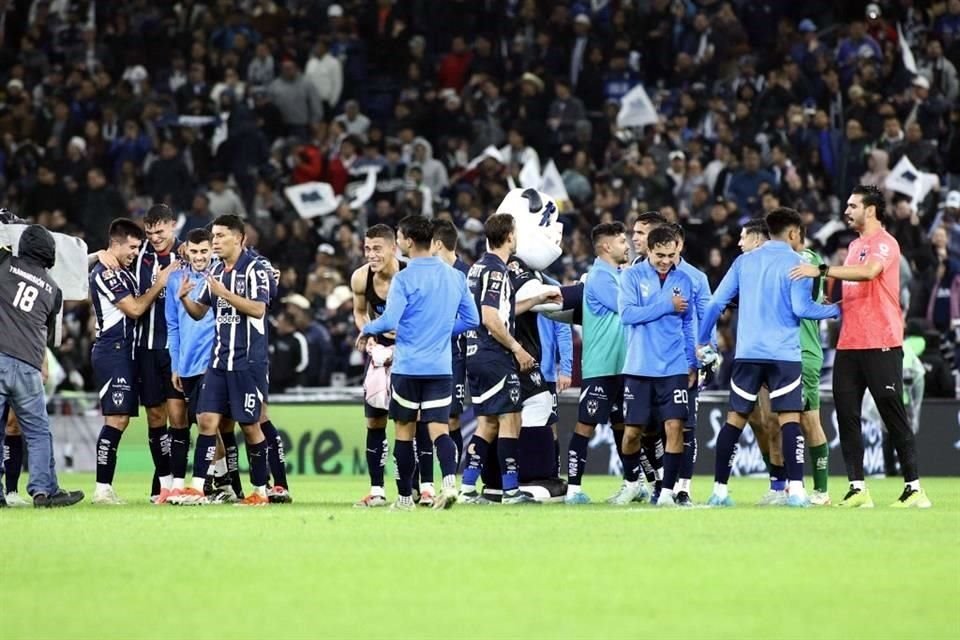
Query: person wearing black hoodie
{"type": "Point", "coordinates": [30, 302]}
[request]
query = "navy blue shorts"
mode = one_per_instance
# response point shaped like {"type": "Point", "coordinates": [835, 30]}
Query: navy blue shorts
{"type": "Point", "coordinates": [191, 393]}
{"type": "Point", "coordinates": [154, 379]}
{"type": "Point", "coordinates": [420, 398]}
{"type": "Point", "coordinates": [494, 387]}
{"type": "Point", "coordinates": [532, 383]}
{"type": "Point", "coordinates": [651, 401]}
{"type": "Point", "coordinates": [459, 404]}
{"type": "Point", "coordinates": [233, 394]}
{"type": "Point", "coordinates": [115, 375]}
{"type": "Point", "coordinates": [784, 381]}
{"type": "Point", "coordinates": [601, 401]}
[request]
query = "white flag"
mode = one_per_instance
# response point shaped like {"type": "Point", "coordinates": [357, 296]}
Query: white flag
{"type": "Point", "coordinates": [910, 181]}
{"type": "Point", "coordinates": [909, 63]}
{"type": "Point", "coordinates": [636, 110]}
{"type": "Point", "coordinates": [552, 184]}
{"type": "Point", "coordinates": [312, 199]}
{"type": "Point", "coordinates": [361, 194]}
{"type": "Point", "coordinates": [489, 152]}
{"type": "Point", "coordinates": [530, 173]}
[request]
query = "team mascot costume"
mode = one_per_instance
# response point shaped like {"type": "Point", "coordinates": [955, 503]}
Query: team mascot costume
{"type": "Point", "coordinates": [539, 237]}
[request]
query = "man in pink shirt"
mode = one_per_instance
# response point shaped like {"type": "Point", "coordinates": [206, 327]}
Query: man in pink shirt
{"type": "Point", "coordinates": [870, 349]}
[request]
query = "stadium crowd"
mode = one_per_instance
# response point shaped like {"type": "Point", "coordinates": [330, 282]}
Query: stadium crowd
{"type": "Point", "coordinates": [216, 107]}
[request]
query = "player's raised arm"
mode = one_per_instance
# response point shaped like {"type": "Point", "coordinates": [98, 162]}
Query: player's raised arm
{"type": "Point", "coordinates": [195, 308]}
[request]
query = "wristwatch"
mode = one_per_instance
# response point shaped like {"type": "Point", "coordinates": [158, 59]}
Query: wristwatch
{"type": "Point", "coordinates": [823, 270]}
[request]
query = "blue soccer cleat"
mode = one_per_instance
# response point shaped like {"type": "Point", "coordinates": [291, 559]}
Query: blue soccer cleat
{"type": "Point", "coordinates": [577, 498]}
{"type": "Point", "coordinates": [801, 502]}
{"type": "Point", "coordinates": [717, 501]}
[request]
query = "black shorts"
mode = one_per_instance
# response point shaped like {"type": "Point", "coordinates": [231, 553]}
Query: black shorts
{"type": "Point", "coordinates": [880, 370]}
{"type": "Point", "coordinates": [532, 383]}
{"type": "Point", "coordinates": [154, 377]}
{"type": "Point", "coordinates": [114, 374]}
{"type": "Point", "coordinates": [650, 401]}
{"type": "Point", "coordinates": [601, 400]}
{"type": "Point", "coordinates": [420, 399]}
{"type": "Point", "coordinates": [191, 392]}
{"type": "Point", "coordinates": [783, 380]}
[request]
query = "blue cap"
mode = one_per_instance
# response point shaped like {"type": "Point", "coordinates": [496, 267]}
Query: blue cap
{"type": "Point", "coordinates": [807, 25]}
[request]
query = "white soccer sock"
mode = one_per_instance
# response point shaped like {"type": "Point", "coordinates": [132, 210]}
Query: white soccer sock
{"type": "Point", "coordinates": [426, 486]}
{"type": "Point", "coordinates": [220, 467]}
{"type": "Point", "coordinates": [377, 491]}
{"type": "Point", "coordinates": [683, 484]}
{"type": "Point", "coordinates": [260, 490]}
{"type": "Point", "coordinates": [659, 473]}
{"type": "Point", "coordinates": [103, 486]}
{"type": "Point", "coordinates": [720, 490]}
{"type": "Point", "coordinates": [467, 488]}
{"type": "Point", "coordinates": [858, 484]}
{"type": "Point", "coordinates": [914, 484]}
{"type": "Point", "coordinates": [574, 489]}
{"type": "Point", "coordinates": [197, 483]}
{"type": "Point", "coordinates": [166, 482]}
{"type": "Point", "coordinates": [795, 488]}
{"type": "Point", "coordinates": [449, 482]}
{"type": "Point", "coordinates": [178, 483]}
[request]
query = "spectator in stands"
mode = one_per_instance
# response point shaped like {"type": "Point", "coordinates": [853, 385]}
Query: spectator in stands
{"type": "Point", "coordinates": [222, 199]}
{"type": "Point", "coordinates": [744, 186]}
{"type": "Point", "coordinates": [296, 99]}
{"type": "Point", "coordinates": [353, 122]}
{"type": "Point", "coordinates": [168, 179]}
{"type": "Point", "coordinates": [289, 354]}
{"type": "Point", "coordinates": [101, 205]}
{"type": "Point", "coordinates": [325, 73]}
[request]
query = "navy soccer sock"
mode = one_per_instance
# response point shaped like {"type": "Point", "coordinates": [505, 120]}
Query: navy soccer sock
{"type": "Point", "coordinates": [405, 460]}
{"type": "Point", "coordinates": [631, 466]}
{"type": "Point", "coordinates": [424, 453]}
{"type": "Point", "coordinates": [457, 438]}
{"type": "Point", "coordinates": [179, 450]}
{"type": "Point", "coordinates": [107, 443]}
{"type": "Point", "coordinates": [476, 456]}
{"type": "Point", "coordinates": [232, 455]}
{"type": "Point", "coordinates": [203, 455]}
{"type": "Point", "coordinates": [652, 446]}
{"type": "Point", "coordinates": [257, 455]}
{"type": "Point", "coordinates": [446, 456]}
{"type": "Point", "coordinates": [726, 452]}
{"type": "Point", "coordinates": [671, 469]}
{"type": "Point", "coordinates": [377, 448]}
{"type": "Point", "coordinates": [275, 454]}
{"type": "Point", "coordinates": [689, 453]}
{"type": "Point", "coordinates": [12, 461]}
{"type": "Point", "coordinates": [577, 458]}
{"type": "Point", "coordinates": [778, 477]}
{"type": "Point", "coordinates": [793, 451]}
{"type": "Point", "coordinates": [507, 449]}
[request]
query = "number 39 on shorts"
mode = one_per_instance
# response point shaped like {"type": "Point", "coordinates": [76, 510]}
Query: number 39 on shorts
{"type": "Point", "coordinates": [680, 396]}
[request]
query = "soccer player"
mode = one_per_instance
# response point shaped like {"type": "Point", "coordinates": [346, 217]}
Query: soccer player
{"type": "Point", "coordinates": [117, 308]}
{"type": "Point", "coordinates": [768, 347]}
{"type": "Point", "coordinates": [700, 297]}
{"type": "Point", "coordinates": [154, 378]}
{"type": "Point", "coordinates": [370, 284]}
{"type": "Point", "coordinates": [661, 361]}
{"type": "Point", "coordinates": [30, 302]}
{"type": "Point", "coordinates": [642, 226]}
{"type": "Point", "coordinates": [191, 344]}
{"type": "Point", "coordinates": [870, 348]}
{"type": "Point", "coordinates": [602, 354]}
{"type": "Point", "coordinates": [495, 360]}
{"type": "Point", "coordinates": [238, 288]}
{"type": "Point", "coordinates": [428, 302]}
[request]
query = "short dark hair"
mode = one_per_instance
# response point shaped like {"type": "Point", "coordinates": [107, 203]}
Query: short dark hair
{"type": "Point", "coordinates": [158, 213]}
{"type": "Point", "coordinates": [651, 217]}
{"type": "Point", "coordinates": [678, 228]}
{"type": "Point", "coordinates": [662, 235]}
{"type": "Point", "coordinates": [381, 231]}
{"type": "Point", "coordinates": [871, 196]}
{"type": "Point", "coordinates": [123, 228]}
{"type": "Point", "coordinates": [497, 228]}
{"type": "Point", "coordinates": [232, 222]}
{"type": "Point", "coordinates": [758, 226]}
{"type": "Point", "coordinates": [418, 229]}
{"type": "Point", "coordinates": [606, 230]}
{"type": "Point", "coordinates": [198, 235]}
{"type": "Point", "coordinates": [781, 219]}
{"type": "Point", "coordinates": [446, 233]}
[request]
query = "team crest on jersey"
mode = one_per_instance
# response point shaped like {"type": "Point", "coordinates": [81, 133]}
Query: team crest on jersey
{"type": "Point", "coordinates": [536, 379]}
{"type": "Point", "coordinates": [240, 287]}
{"type": "Point", "coordinates": [117, 398]}
{"type": "Point", "coordinates": [677, 292]}
{"type": "Point", "coordinates": [592, 406]}
{"type": "Point", "coordinates": [863, 254]}
{"type": "Point", "coordinates": [514, 395]}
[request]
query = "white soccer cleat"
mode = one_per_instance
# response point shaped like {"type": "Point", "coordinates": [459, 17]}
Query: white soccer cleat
{"type": "Point", "coordinates": [445, 499]}
{"type": "Point", "coordinates": [14, 500]}
{"type": "Point", "coordinates": [627, 493]}
{"type": "Point", "coordinates": [106, 496]}
{"type": "Point", "coordinates": [773, 498]}
{"type": "Point", "coordinates": [820, 499]}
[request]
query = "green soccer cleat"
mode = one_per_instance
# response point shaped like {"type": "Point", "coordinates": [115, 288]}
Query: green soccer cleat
{"type": "Point", "coordinates": [912, 499]}
{"type": "Point", "coordinates": [857, 499]}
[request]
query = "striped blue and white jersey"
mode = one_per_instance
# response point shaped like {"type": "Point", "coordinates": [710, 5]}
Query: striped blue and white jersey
{"type": "Point", "coordinates": [114, 329]}
{"type": "Point", "coordinates": [152, 326]}
{"type": "Point", "coordinates": [241, 340]}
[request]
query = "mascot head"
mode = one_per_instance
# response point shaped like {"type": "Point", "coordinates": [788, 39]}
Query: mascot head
{"type": "Point", "coordinates": [539, 234]}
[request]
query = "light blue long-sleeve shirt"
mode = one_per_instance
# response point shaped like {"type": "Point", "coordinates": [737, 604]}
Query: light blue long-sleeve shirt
{"type": "Point", "coordinates": [660, 341]}
{"type": "Point", "coordinates": [556, 341]}
{"type": "Point", "coordinates": [190, 341]}
{"type": "Point", "coordinates": [771, 305]}
{"type": "Point", "coordinates": [701, 295]}
{"type": "Point", "coordinates": [428, 302]}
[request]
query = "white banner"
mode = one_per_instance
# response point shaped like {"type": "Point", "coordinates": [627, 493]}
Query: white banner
{"type": "Point", "coordinates": [910, 181]}
{"type": "Point", "coordinates": [636, 110]}
{"type": "Point", "coordinates": [312, 199]}
{"type": "Point", "coordinates": [70, 270]}
{"type": "Point", "coordinates": [552, 184]}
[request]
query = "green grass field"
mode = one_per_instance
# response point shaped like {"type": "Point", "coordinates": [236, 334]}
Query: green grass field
{"type": "Point", "coordinates": [320, 568]}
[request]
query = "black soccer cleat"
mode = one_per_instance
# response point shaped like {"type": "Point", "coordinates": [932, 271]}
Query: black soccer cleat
{"type": "Point", "coordinates": [59, 499]}
{"type": "Point", "coordinates": [682, 499]}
